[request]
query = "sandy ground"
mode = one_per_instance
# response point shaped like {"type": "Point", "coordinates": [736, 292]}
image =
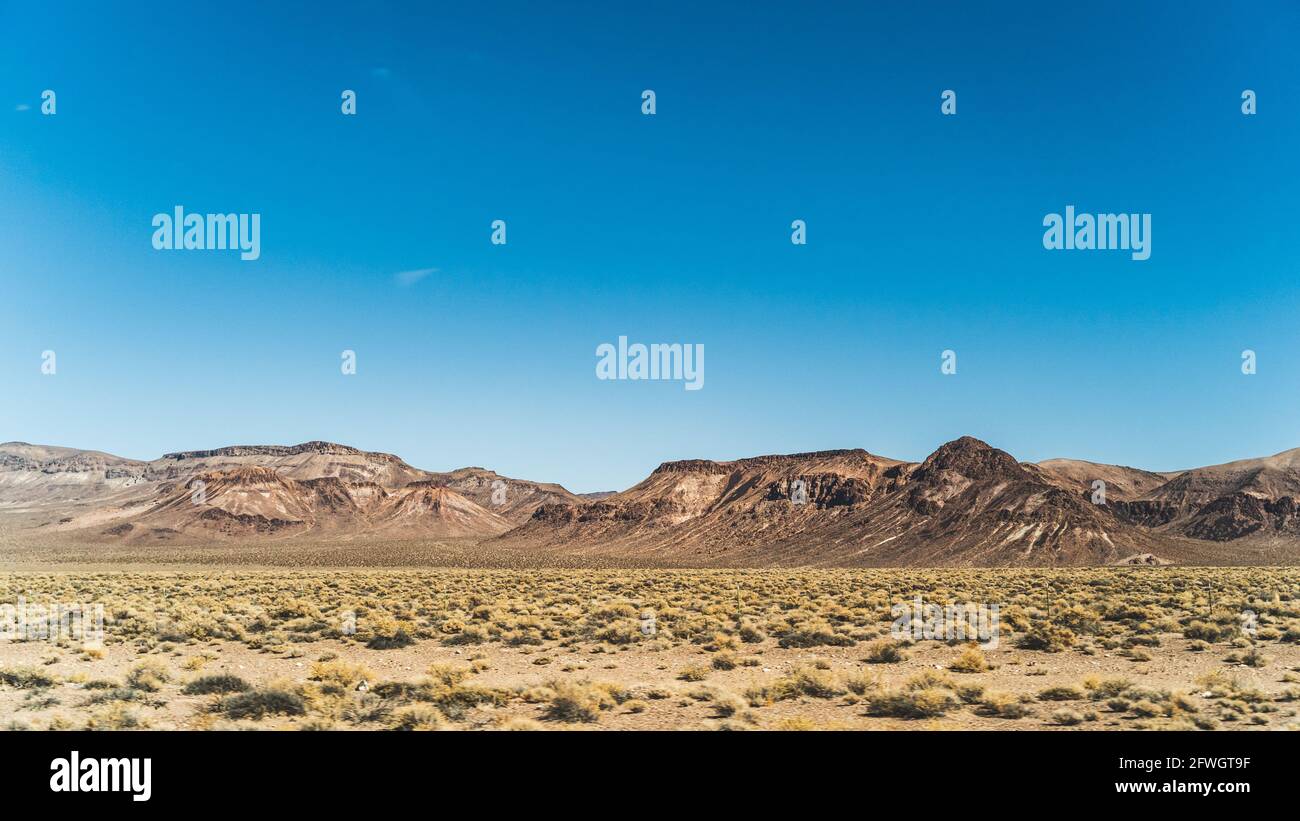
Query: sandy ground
{"type": "Point", "coordinates": [647, 674]}
{"type": "Point", "coordinates": [1175, 669]}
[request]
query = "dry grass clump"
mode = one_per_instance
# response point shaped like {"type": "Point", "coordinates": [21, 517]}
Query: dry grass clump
{"type": "Point", "coordinates": [149, 675]}
{"type": "Point", "coordinates": [1048, 637]}
{"type": "Point", "coordinates": [925, 695]}
{"type": "Point", "coordinates": [1062, 693]}
{"type": "Point", "coordinates": [115, 716]}
{"type": "Point", "coordinates": [971, 660]}
{"type": "Point", "coordinates": [859, 684]}
{"type": "Point", "coordinates": [384, 632]}
{"type": "Point", "coordinates": [448, 675]}
{"type": "Point", "coordinates": [1211, 632]}
{"type": "Point", "coordinates": [216, 684]}
{"type": "Point", "coordinates": [1067, 717]}
{"type": "Point", "coordinates": [724, 661]}
{"type": "Point", "coordinates": [1078, 620]}
{"type": "Point", "coordinates": [885, 651]}
{"type": "Point", "coordinates": [417, 717]}
{"type": "Point", "coordinates": [25, 678]}
{"type": "Point", "coordinates": [443, 688]}
{"type": "Point", "coordinates": [582, 701]}
{"type": "Point", "coordinates": [1251, 658]}
{"type": "Point", "coordinates": [927, 703]}
{"type": "Point", "coordinates": [337, 676]}
{"type": "Point", "coordinates": [814, 635]}
{"type": "Point", "coordinates": [1100, 689]}
{"type": "Point", "coordinates": [273, 699]}
{"type": "Point", "coordinates": [1005, 705]}
{"type": "Point", "coordinates": [727, 704]}
{"type": "Point", "coordinates": [802, 681]}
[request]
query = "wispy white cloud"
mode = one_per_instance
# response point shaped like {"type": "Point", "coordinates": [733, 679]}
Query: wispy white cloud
{"type": "Point", "coordinates": [408, 278]}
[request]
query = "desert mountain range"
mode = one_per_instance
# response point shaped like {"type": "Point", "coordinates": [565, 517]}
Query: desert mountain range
{"type": "Point", "coordinates": [316, 489]}
{"type": "Point", "coordinates": [967, 504]}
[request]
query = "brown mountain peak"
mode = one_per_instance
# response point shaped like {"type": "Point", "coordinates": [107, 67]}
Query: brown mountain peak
{"type": "Point", "coordinates": [971, 458]}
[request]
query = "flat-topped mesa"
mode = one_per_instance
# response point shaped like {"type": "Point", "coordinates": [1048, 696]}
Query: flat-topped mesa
{"type": "Point", "coordinates": [693, 466]}
{"type": "Point", "coordinates": [324, 448]}
{"type": "Point", "coordinates": [709, 466]}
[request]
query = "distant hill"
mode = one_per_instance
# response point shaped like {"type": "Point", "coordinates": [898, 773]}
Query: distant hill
{"type": "Point", "coordinates": [967, 504]}
{"type": "Point", "coordinates": [317, 489]}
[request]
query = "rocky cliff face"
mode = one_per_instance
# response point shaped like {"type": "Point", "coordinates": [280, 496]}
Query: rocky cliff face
{"type": "Point", "coordinates": [965, 504]}
{"type": "Point", "coordinates": [252, 501]}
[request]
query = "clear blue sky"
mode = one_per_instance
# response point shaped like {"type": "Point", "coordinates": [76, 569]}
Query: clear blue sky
{"type": "Point", "coordinates": [925, 232]}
